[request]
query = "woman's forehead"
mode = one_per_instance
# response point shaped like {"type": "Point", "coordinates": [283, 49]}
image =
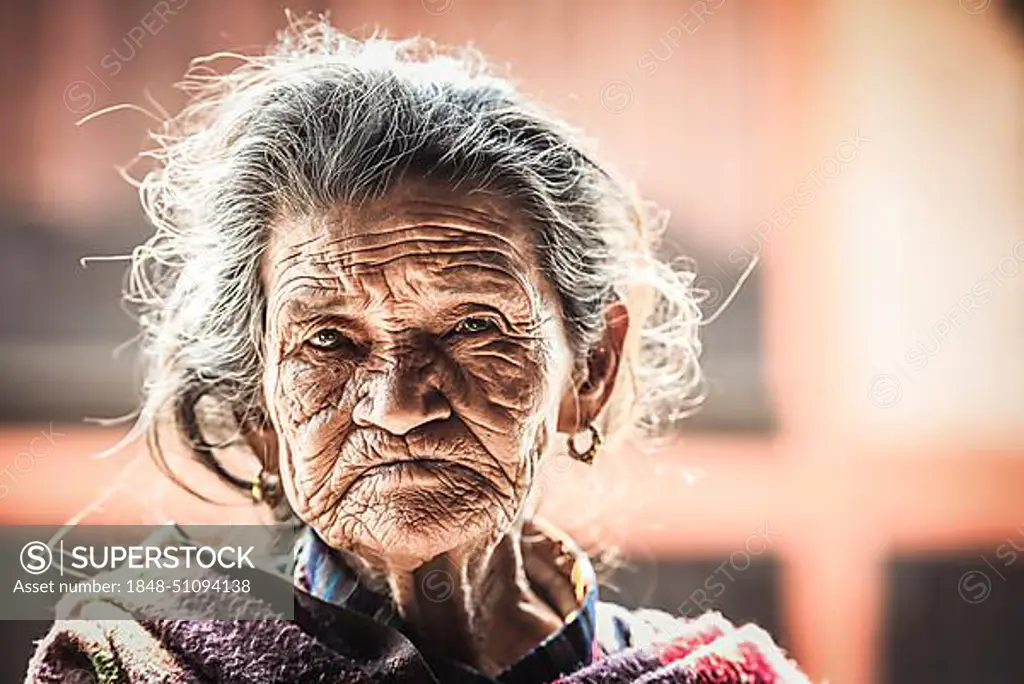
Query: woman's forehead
{"type": "Point", "coordinates": [410, 243]}
{"type": "Point", "coordinates": [412, 209]}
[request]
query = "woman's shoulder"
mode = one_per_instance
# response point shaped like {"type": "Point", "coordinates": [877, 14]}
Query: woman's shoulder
{"type": "Point", "coordinates": [98, 640]}
{"type": "Point", "coordinates": [106, 644]}
{"type": "Point", "coordinates": [216, 636]}
{"type": "Point", "coordinates": [148, 624]}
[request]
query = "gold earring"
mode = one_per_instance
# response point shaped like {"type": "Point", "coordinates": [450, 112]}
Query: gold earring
{"type": "Point", "coordinates": [595, 444]}
{"type": "Point", "coordinates": [263, 487]}
{"type": "Point", "coordinates": [256, 492]}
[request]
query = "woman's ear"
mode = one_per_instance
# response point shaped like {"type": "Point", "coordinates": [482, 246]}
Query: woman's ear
{"type": "Point", "coordinates": [590, 389]}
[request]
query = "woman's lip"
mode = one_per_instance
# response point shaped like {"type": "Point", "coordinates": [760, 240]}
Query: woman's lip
{"type": "Point", "coordinates": [423, 466]}
{"type": "Point", "coordinates": [424, 463]}
{"type": "Point", "coordinates": [420, 465]}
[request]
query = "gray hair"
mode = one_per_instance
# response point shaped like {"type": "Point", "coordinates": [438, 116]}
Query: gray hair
{"type": "Point", "coordinates": [323, 119]}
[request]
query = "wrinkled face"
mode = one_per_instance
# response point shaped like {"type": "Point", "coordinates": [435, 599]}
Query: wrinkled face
{"type": "Point", "coordinates": [415, 365]}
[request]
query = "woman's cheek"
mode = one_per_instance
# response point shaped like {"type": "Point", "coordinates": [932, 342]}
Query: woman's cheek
{"type": "Point", "coordinates": [311, 416]}
{"type": "Point", "coordinates": [307, 390]}
{"type": "Point", "coordinates": [510, 375]}
{"type": "Point", "coordinates": [512, 398]}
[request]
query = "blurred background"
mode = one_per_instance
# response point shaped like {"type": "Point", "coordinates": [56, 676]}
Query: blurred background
{"type": "Point", "coordinates": [855, 482]}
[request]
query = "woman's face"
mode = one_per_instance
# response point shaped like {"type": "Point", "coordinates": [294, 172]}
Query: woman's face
{"type": "Point", "coordinates": [415, 366]}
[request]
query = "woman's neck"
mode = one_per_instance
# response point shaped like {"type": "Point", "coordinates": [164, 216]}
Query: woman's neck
{"type": "Point", "coordinates": [474, 605]}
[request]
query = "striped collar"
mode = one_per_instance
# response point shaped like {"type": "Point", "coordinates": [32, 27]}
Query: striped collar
{"type": "Point", "coordinates": [549, 552]}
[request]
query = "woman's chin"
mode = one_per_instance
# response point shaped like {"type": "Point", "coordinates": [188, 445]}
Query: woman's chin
{"type": "Point", "coordinates": [416, 514]}
{"type": "Point", "coordinates": [413, 537]}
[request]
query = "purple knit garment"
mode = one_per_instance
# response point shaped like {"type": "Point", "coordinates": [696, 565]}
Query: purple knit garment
{"type": "Point", "coordinates": [327, 644]}
{"type": "Point", "coordinates": [626, 666]}
{"type": "Point", "coordinates": [278, 652]}
{"type": "Point", "coordinates": [255, 652]}
{"type": "Point", "coordinates": [240, 652]}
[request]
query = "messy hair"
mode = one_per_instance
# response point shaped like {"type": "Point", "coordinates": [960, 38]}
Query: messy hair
{"type": "Point", "coordinates": [321, 119]}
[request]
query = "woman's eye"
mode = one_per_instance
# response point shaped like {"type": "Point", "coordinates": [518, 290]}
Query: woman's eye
{"type": "Point", "coordinates": [328, 339]}
{"type": "Point", "coordinates": [474, 326]}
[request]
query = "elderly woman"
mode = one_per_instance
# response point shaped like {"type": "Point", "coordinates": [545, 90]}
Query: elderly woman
{"type": "Point", "coordinates": [407, 289]}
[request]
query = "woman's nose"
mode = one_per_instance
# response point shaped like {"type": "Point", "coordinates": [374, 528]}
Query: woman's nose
{"type": "Point", "coordinates": [400, 402]}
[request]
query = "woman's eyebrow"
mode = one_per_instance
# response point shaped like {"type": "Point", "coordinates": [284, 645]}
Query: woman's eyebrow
{"type": "Point", "coordinates": [493, 273]}
{"type": "Point", "coordinates": [488, 280]}
{"type": "Point", "coordinates": [307, 302]}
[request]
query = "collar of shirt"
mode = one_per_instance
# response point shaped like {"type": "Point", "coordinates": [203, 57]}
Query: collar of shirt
{"type": "Point", "coordinates": [325, 575]}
